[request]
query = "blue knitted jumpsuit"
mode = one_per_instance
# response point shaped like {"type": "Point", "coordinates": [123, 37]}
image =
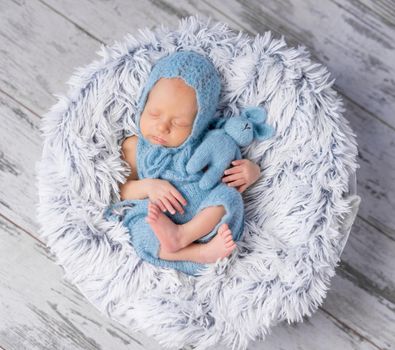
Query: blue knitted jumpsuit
{"type": "Point", "coordinates": [169, 163]}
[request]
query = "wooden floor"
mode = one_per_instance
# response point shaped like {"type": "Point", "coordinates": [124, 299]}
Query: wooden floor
{"type": "Point", "coordinates": [41, 43]}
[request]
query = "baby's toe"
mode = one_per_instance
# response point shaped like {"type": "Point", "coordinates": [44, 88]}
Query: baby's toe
{"type": "Point", "coordinates": [229, 251]}
{"type": "Point", "coordinates": [152, 212]}
{"type": "Point", "coordinates": [231, 246]}
{"type": "Point", "coordinates": [155, 208]}
{"type": "Point", "coordinates": [223, 228]}
{"type": "Point", "coordinates": [229, 239]}
{"type": "Point", "coordinates": [229, 243]}
{"type": "Point", "coordinates": [152, 215]}
{"type": "Point", "coordinates": [226, 234]}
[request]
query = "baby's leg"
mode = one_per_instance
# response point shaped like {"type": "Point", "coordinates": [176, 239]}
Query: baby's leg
{"type": "Point", "coordinates": [219, 247]}
{"type": "Point", "coordinates": [173, 237]}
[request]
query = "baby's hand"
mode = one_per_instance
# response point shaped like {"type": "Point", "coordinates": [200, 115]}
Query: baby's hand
{"type": "Point", "coordinates": [243, 174]}
{"type": "Point", "coordinates": [165, 195]}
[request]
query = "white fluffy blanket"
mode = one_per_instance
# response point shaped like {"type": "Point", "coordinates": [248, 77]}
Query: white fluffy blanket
{"type": "Point", "coordinates": [293, 239]}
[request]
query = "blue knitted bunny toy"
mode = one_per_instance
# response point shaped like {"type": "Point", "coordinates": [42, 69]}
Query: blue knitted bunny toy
{"type": "Point", "coordinates": [229, 135]}
{"type": "Point", "coordinates": [182, 165]}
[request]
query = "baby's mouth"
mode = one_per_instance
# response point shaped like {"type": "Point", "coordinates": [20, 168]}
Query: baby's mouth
{"type": "Point", "coordinates": [157, 139]}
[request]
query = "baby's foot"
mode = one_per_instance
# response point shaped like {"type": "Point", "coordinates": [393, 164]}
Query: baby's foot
{"type": "Point", "coordinates": [167, 231]}
{"type": "Point", "coordinates": [220, 246]}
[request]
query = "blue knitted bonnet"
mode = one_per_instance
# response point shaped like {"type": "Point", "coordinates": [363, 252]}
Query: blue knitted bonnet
{"type": "Point", "coordinates": [198, 72]}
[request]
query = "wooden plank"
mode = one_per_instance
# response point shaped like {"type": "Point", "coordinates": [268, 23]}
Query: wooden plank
{"type": "Point", "coordinates": [109, 21]}
{"type": "Point", "coordinates": [39, 310]}
{"type": "Point", "coordinates": [384, 9]}
{"type": "Point", "coordinates": [370, 315]}
{"type": "Point", "coordinates": [20, 148]}
{"type": "Point", "coordinates": [376, 175]}
{"type": "Point", "coordinates": [369, 257]}
{"type": "Point", "coordinates": [319, 332]}
{"type": "Point", "coordinates": [42, 50]}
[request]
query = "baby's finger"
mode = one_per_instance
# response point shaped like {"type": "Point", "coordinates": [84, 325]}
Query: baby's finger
{"type": "Point", "coordinates": [237, 161]}
{"type": "Point", "coordinates": [234, 170]}
{"type": "Point", "coordinates": [178, 195]}
{"type": "Point", "coordinates": [168, 205]}
{"type": "Point", "coordinates": [231, 178]}
{"type": "Point", "coordinates": [242, 188]}
{"type": "Point", "coordinates": [237, 183]}
{"type": "Point", "coordinates": [176, 205]}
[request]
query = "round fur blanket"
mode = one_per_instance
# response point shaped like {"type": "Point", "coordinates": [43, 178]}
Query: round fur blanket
{"type": "Point", "coordinates": [294, 214]}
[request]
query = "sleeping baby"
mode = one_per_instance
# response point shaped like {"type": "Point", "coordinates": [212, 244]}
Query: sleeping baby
{"type": "Point", "coordinates": [178, 211]}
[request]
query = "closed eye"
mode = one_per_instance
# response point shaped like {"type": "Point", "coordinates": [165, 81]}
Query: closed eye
{"type": "Point", "coordinates": [156, 115]}
{"type": "Point", "coordinates": [183, 125]}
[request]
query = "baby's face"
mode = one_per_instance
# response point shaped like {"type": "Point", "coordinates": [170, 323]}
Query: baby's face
{"type": "Point", "coordinates": [169, 112]}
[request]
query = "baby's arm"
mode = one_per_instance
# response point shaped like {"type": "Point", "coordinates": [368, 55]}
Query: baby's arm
{"type": "Point", "coordinates": [133, 188]}
{"type": "Point", "coordinates": [242, 175]}
{"type": "Point", "coordinates": [158, 191]}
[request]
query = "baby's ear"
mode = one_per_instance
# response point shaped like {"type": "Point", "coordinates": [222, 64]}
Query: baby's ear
{"type": "Point", "coordinates": [240, 129]}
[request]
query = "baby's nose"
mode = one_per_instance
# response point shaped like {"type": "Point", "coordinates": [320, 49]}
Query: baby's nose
{"type": "Point", "coordinates": [163, 127]}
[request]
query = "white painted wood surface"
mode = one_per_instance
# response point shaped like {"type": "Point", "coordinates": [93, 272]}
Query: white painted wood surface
{"type": "Point", "coordinates": [43, 41]}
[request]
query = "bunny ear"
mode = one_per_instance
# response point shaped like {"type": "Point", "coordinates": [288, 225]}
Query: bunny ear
{"type": "Point", "coordinates": [263, 131]}
{"type": "Point", "coordinates": [255, 114]}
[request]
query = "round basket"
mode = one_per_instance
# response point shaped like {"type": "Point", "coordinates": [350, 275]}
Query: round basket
{"type": "Point", "coordinates": [298, 214]}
